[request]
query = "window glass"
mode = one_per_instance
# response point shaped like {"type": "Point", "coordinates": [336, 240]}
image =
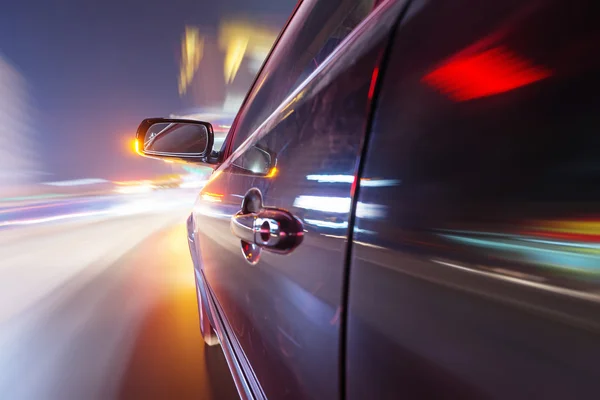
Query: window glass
{"type": "Point", "coordinates": [317, 28]}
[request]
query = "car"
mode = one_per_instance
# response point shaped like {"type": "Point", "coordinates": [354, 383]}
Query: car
{"type": "Point", "coordinates": [406, 204]}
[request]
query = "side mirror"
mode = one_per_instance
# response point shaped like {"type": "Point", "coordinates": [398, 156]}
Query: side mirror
{"type": "Point", "coordinates": [179, 139]}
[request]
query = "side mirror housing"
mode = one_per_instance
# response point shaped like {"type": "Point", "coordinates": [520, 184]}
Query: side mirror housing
{"type": "Point", "coordinates": [176, 139]}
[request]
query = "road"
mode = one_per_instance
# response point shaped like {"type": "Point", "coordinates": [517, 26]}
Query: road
{"type": "Point", "coordinates": [101, 304]}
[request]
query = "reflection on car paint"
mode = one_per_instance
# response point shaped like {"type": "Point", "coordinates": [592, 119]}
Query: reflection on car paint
{"type": "Point", "coordinates": [575, 253]}
{"type": "Point", "coordinates": [340, 205]}
{"type": "Point", "coordinates": [365, 182]}
{"type": "Point", "coordinates": [497, 70]}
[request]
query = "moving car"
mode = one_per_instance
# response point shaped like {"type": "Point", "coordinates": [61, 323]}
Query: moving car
{"type": "Point", "coordinates": [406, 205]}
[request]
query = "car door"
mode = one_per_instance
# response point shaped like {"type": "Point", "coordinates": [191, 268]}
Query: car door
{"type": "Point", "coordinates": [478, 277]}
{"type": "Point", "coordinates": [294, 163]}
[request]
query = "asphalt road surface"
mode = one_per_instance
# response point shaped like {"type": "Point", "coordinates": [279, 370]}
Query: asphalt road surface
{"type": "Point", "coordinates": [102, 306]}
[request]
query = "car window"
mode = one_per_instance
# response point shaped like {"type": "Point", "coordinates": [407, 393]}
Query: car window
{"type": "Point", "coordinates": [317, 28]}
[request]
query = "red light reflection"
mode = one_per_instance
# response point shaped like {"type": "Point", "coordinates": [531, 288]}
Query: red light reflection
{"type": "Point", "coordinates": [494, 71]}
{"type": "Point", "coordinates": [373, 82]}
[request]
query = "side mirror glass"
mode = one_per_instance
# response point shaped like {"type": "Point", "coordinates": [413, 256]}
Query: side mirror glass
{"type": "Point", "coordinates": [175, 138]}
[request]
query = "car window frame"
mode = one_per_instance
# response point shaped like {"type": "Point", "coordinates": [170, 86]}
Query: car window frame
{"type": "Point", "coordinates": [228, 150]}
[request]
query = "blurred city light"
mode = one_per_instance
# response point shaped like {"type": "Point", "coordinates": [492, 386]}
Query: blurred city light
{"type": "Point", "coordinates": [468, 76]}
{"type": "Point", "coordinates": [136, 147]}
{"type": "Point", "coordinates": [365, 182]}
{"type": "Point", "coordinates": [19, 163]}
{"type": "Point", "coordinates": [272, 173]}
{"type": "Point", "coordinates": [212, 197]}
{"type": "Point", "coordinates": [238, 36]}
{"type": "Point", "coordinates": [89, 233]}
{"type": "Point", "coordinates": [192, 46]}
{"type": "Point", "coordinates": [77, 182]}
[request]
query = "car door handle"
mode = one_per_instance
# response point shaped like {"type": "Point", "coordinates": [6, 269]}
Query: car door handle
{"type": "Point", "coordinates": [267, 228]}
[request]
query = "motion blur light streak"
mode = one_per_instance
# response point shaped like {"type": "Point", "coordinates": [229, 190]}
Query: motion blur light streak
{"type": "Point", "coordinates": [494, 71]}
{"type": "Point", "coordinates": [365, 182]}
{"type": "Point", "coordinates": [54, 204]}
{"type": "Point", "coordinates": [130, 189]}
{"type": "Point", "coordinates": [580, 230]}
{"type": "Point", "coordinates": [569, 257]}
{"type": "Point", "coordinates": [52, 219]}
{"type": "Point", "coordinates": [595, 246]}
{"type": "Point", "coordinates": [233, 57]}
{"type": "Point", "coordinates": [20, 166]}
{"type": "Point", "coordinates": [272, 173]}
{"type": "Point", "coordinates": [91, 207]}
{"type": "Point", "coordinates": [327, 204]}
{"type": "Point", "coordinates": [192, 47]}
{"type": "Point", "coordinates": [565, 235]}
{"type": "Point", "coordinates": [193, 184]}
{"type": "Point", "coordinates": [524, 282]}
{"type": "Point", "coordinates": [331, 178]}
{"type": "Point", "coordinates": [98, 292]}
{"type": "Point", "coordinates": [374, 246]}
{"type": "Point", "coordinates": [287, 114]}
{"type": "Point", "coordinates": [326, 224]}
{"type": "Point", "coordinates": [136, 147]}
{"type": "Point", "coordinates": [240, 38]}
{"type": "Point", "coordinates": [379, 182]}
{"type": "Point", "coordinates": [76, 182]}
{"type": "Point", "coordinates": [339, 205]}
{"type": "Point", "coordinates": [212, 197]}
{"type": "Point", "coordinates": [370, 211]}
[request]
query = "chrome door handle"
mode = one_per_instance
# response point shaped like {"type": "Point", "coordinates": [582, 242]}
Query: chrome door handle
{"type": "Point", "coordinates": [271, 229]}
{"type": "Point", "coordinates": [267, 228]}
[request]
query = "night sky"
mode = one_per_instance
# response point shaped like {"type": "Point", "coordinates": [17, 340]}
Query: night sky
{"type": "Point", "coordinates": [97, 68]}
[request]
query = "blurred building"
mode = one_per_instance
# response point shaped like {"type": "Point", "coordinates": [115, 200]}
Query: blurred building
{"type": "Point", "coordinates": [218, 66]}
{"type": "Point", "coordinates": [19, 165]}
